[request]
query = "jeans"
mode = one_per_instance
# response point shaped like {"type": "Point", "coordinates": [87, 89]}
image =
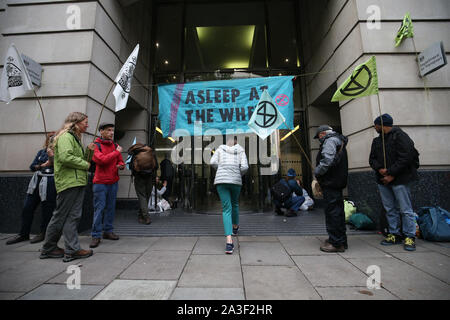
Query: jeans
{"type": "Point", "coordinates": [104, 209]}
{"type": "Point", "coordinates": [397, 202]}
{"type": "Point", "coordinates": [229, 195]}
{"type": "Point", "coordinates": [335, 217]}
{"type": "Point", "coordinates": [31, 203]}
{"type": "Point", "coordinates": [293, 203]}
{"type": "Point", "coordinates": [65, 220]}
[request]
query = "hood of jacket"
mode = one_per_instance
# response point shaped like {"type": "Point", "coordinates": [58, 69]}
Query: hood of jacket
{"type": "Point", "coordinates": [344, 139]}
{"type": "Point", "coordinates": [236, 149]}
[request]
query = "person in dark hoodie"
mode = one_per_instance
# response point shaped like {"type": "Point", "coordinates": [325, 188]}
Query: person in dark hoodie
{"type": "Point", "coordinates": [332, 174]}
{"type": "Point", "coordinates": [394, 179]}
{"type": "Point", "coordinates": [108, 161]}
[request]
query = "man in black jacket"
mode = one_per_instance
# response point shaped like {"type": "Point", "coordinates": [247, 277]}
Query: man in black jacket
{"type": "Point", "coordinates": [332, 174]}
{"type": "Point", "coordinates": [396, 168]}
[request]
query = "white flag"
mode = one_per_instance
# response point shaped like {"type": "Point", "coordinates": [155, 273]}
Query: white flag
{"type": "Point", "coordinates": [123, 80]}
{"type": "Point", "coordinates": [266, 118]}
{"type": "Point", "coordinates": [15, 80]}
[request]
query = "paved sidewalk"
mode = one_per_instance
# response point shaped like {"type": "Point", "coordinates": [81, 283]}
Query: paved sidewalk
{"type": "Point", "coordinates": [196, 268]}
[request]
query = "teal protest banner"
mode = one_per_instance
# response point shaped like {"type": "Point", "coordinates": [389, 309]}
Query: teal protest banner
{"type": "Point", "coordinates": [222, 105]}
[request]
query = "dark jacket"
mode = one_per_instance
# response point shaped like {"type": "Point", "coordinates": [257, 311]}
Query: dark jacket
{"type": "Point", "coordinates": [402, 158]}
{"type": "Point", "coordinates": [41, 158]}
{"type": "Point", "coordinates": [332, 162]}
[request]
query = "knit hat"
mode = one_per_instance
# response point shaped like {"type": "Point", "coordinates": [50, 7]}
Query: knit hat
{"type": "Point", "coordinates": [387, 120]}
{"type": "Point", "coordinates": [291, 173]}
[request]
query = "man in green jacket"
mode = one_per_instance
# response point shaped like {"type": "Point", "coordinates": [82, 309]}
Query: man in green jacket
{"type": "Point", "coordinates": [71, 165]}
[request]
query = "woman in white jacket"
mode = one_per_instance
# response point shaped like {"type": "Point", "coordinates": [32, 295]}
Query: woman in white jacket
{"type": "Point", "coordinates": [231, 164]}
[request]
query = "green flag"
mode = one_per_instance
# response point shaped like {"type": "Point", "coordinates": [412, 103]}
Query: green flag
{"type": "Point", "coordinates": [406, 30]}
{"type": "Point", "coordinates": [363, 82]}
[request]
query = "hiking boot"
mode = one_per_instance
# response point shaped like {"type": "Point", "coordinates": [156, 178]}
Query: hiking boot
{"type": "Point", "coordinates": [390, 240]}
{"type": "Point", "coordinates": [95, 243]}
{"type": "Point", "coordinates": [229, 248]}
{"type": "Point", "coordinates": [58, 253]}
{"type": "Point", "coordinates": [291, 213]}
{"type": "Point", "coordinates": [17, 239]}
{"type": "Point", "coordinates": [39, 238]}
{"type": "Point", "coordinates": [80, 254]}
{"type": "Point", "coordinates": [410, 244]}
{"type": "Point", "coordinates": [235, 231]}
{"type": "Point", "coordinates": [110, 236]}
{"type": "Point", "coordinates": [279, 212]}
{"type": "Point", "coordinates": [329, 248]}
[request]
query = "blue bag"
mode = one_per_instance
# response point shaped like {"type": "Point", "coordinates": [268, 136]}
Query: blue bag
{"type": "Point", "coordinates": [433, 224]}
{"type": "Point", "coordinates": [362, 222]}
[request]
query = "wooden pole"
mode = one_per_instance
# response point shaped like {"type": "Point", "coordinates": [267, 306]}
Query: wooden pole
{"type": "Point", "coordinates": [101, 112]}
{"type": "Point", "coordinates": [42, 111]}
{"type": "Point", "coordinates": [301, 148]}
{"type": "Point", "coordinates": [382, 131]}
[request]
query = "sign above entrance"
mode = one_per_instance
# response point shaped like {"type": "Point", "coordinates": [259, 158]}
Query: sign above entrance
{"type": "Point", "coordinates": [220, 105]}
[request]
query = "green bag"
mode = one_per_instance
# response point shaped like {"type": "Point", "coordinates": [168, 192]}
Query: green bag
{"type": "Point", "coordinates": [362, 222]}
{"type": "Point", "coordinates": [350, 209]}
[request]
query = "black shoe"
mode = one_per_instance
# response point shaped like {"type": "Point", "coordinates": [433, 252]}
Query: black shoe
{"type": "Point", "coordinates": [229, 248]}
{"type": "Point", "coordinates": [235, 231]}
{"type": "Point", "coordinates": [279, 212]}
{"type": "Point", "coordinates": [391, 239]}
{"type": "Point", "coordinates": [17, 239]}
{"type": "Point", "coordinates": [291, 213]}
{"type": "Point", "coordinates": [58, 253]}
{"type": "Point", "coordinates": [410, 244]}
{"type": "Point", "coordinates": [39, 238]}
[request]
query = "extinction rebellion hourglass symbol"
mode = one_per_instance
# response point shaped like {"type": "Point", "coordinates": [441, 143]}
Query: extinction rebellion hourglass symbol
{"type": "Point", "coordinates": [355, 88]}
{"type": "Point", "coordinates": [267, 113]}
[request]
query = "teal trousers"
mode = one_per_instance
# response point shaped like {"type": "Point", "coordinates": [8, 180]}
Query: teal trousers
{"type": "Point", "coordinates": [229, 195]}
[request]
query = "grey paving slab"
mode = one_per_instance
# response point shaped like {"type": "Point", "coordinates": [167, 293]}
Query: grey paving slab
{"type": "Point", "coordinates": [441, 247]}
{"type": "Point", "coordinates": [208, 294]}
{"type": "Point", "coordinates": [5, 247]}
{"type": "Point", "coordinates": [354, 293]}
{"type": "Point", "coordinates": [4, 236]}
{"type": "Point", "coordinates": [330, 271]}
{"type": "Point", "coordinates": [30, 274]}
{"type": "Point", "coordinates": [175, 243]}
{"type": "Point", "coordinates": [157, 265]}
{"type": "Point", "coordinates": [358, 248]}
{"type": "Point", "coordinates": [277, 283]}
{"type": "Point", "coordinates": [100, 269]}
{"type": "Point", "coordinates": [11, 259]}
{"type": "Point", "coordinates": [213, 245]}
{"type": "Point", "coordinates": [137, 290]}
{"type": "Point", "coordinates": [434, 263]}
{"type": "Point", "coordinates": [264, 253]}
{"type": "Point", "coordinates": [212, 271]}
{"type": "Point", "coordinates": [125, 245]}
{"type": "Point", "coordinates": [61, 292]}
{"type": "Point", "coordinates": [405, 281]}
{"type": "Point", "coordinates": [300, 246]}
{"type": "Point", "coordinates": [258, 239]}
{"type": "Point", "coordinates": [5, 296]}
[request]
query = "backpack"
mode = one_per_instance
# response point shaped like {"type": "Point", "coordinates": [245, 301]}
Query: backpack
{"type": "Point", "coordinates": [93, 164]}
{"type": "Point", "coordinates": [143, 160]}
{"type": "Point", "coordinates": [434, 223]}
{"type": "Point", "coordinates": [362, 222]}
{"type": "Point", "coordinates": [281, 191]}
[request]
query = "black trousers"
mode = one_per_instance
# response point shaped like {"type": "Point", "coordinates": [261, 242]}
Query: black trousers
{"type": "Point", "coordinates": [335, 216]}
{"type": "Point", "coordinates": [31, 203]}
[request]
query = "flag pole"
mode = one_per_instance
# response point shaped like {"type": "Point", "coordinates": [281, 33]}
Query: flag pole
{"type": "Point", "coordinates": [382, 131]}
{"type": "Point", "coordinates": [301, 148]}
{"type": "Point", "coordinates": [42, 111]}
{"type": "Point", "coordinates": [101, 112]}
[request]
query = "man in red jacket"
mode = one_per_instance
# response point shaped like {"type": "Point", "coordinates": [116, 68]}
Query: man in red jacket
{"type": "Point", "coordinates": [108, 161]}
